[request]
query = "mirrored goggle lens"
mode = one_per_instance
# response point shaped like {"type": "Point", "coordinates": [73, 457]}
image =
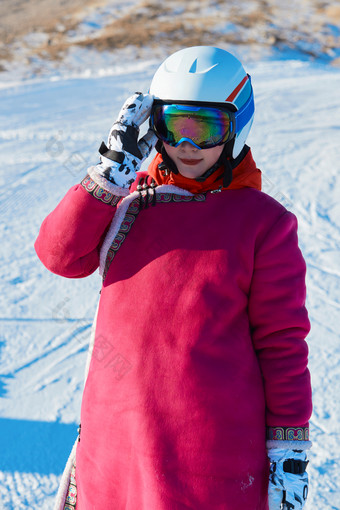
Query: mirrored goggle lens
{"type": "Point", "coordinates": [205, 127]}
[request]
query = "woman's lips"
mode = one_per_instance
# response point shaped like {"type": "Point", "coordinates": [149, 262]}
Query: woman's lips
{"type": "Point", "coordinates": [190, 162]}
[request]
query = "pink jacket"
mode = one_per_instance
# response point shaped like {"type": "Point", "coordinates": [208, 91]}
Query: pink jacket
{"type": "Point", "coordinates": [200, 343]}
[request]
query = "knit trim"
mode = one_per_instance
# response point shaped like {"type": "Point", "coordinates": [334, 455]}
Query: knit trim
{"type": "Point", "coordinates": [174, 190]}
{"type": "Point", "coordinates": [65, 480]}
{"type": "Point", "coordinates": [106, 185]}
{"type": "Point", "coordinates": [288, 433]}
{"type": "Point", "coordinates": [126, 214]}
{"type": "Point", "coordinates": [120, 232]}
{"type": "Point", "coordinates": [114, 228]}
{"type": "Point", "coordinates": [289, 445]}
{"type": "Point", "coordinates": [71, 496]}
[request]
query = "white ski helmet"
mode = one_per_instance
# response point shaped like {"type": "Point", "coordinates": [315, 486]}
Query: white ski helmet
{"type": "Point", "coordinates": [210, 75]}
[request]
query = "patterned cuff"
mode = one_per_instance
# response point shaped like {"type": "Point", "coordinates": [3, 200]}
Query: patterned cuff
{"type": "Point", "coordinates": [288, 433]}
{"type": "Point", "coordinates": [107, 185]}
{"type": "Point", "coordinates": [100, 193]}
{"type": "Point", "coordinates": [288, 438]}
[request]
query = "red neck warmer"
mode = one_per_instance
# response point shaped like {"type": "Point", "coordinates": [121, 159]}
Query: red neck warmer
{"type": "Point", "coordinates": [245, 175]}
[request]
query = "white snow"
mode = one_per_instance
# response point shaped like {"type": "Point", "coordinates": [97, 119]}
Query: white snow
{"type": "Point", "coordinates": [50, 130]}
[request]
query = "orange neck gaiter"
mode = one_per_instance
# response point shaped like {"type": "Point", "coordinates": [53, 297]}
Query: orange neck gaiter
{"type": "Point", "coordinates": [245, 175]}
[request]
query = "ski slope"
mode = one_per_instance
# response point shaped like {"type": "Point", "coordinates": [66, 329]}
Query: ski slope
{"type": "Point", "coordinates": [50, 130]}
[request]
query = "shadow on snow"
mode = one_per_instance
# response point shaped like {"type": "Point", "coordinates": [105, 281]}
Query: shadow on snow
{"type": "Point", "coordinates": [35, 446]}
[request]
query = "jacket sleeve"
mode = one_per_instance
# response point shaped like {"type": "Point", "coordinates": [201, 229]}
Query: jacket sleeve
{"type": "Point", "coordinates": [280, 324]}
{"type": "Point", "coordinates": [70, 237]}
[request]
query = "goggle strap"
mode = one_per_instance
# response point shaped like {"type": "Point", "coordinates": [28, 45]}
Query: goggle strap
{"type": "Point", "coordinates": [243, 116]}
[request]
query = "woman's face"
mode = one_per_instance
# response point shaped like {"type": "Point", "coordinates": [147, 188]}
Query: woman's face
{"type": "Point", "coordinates": [192, 162]}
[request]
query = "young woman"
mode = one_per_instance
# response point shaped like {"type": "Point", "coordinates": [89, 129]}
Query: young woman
{"type": "Point", "coordinates": [198, 394]}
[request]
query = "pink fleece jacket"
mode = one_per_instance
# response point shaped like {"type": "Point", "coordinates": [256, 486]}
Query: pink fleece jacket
{"type": "Point", "coordinates": [199, 347]}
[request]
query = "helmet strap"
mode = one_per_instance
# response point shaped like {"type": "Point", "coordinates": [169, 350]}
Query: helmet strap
{"type": "Point", "coordinates": [230, 163]}
{"type": "Point", "coordinates": [168, 162]}
{"type": "Point", "coordinates": [159, 146]}
{"type": "Point", "coordinates": [225, 161]}
{"type": "Point", "coordinates": [209, 172]}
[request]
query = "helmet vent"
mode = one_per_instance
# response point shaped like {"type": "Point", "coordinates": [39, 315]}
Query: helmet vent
{"type": "Point", "coordinates": [193, 67]}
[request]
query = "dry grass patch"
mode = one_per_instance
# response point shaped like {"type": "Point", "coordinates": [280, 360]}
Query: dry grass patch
{"type": "Point", "coordinates": [149, 23]}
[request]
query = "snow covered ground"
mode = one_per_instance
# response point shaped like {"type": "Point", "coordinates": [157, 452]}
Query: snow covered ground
{"type": "Point", "coordinates": [50, 129]}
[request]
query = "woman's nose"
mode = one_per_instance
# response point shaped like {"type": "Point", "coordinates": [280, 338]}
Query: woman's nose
{"type": "Point", "coordinates": [188, 146]}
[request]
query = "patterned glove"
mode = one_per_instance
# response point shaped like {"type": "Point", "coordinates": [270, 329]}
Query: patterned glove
{"type": "Point", "coordinates": [288, 479]}
{"type": "Point", "coordinates": [124, 155]}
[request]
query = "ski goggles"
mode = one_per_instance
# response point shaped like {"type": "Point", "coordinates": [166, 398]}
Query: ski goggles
{"type": "Point", "coordinates": [202, 125]}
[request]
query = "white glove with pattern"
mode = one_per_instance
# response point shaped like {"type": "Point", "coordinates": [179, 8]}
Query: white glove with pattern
{"type": "Point", "coordinates": [124, 155]}
{"type": "Point", "coordinates": [288, 479]}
